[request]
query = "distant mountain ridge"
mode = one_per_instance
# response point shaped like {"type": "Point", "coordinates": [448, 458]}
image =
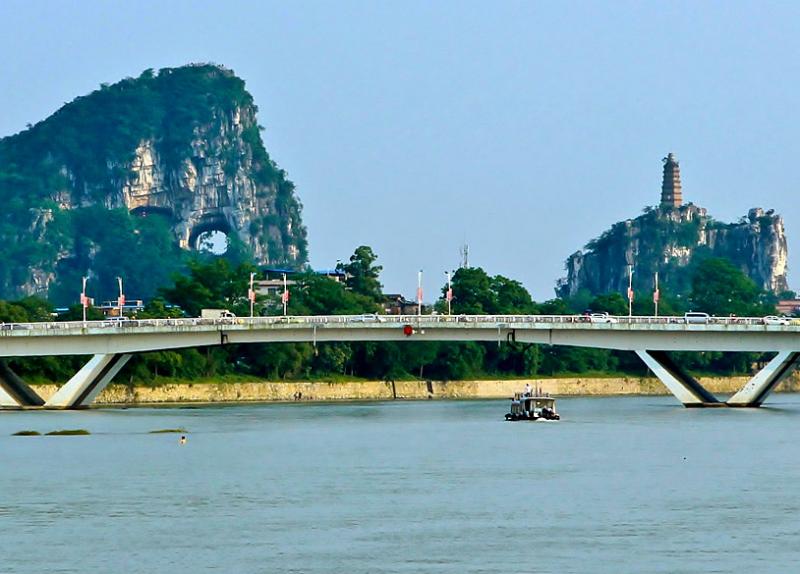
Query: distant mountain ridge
{"type": "Point", "coordinates": [126, 180]}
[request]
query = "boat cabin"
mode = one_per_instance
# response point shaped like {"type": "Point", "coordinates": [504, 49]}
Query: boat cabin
{"type": "Point", "coordinates": [526, 407]}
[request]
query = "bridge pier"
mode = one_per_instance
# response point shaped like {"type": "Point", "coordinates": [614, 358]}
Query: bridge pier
{"type": "Point", "coordinates": [14, 392]}
{"type": "Point", "coordinates": [685, 387]}
{"type": "Point", "coordinates": [764, 382]}
{"type": "Point", "coordinates": [691, 393]}
{"type": "Point", "coordinates": [87, 383]}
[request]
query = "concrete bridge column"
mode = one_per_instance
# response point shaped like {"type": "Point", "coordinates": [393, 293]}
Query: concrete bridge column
{"type": "Point", "coordinates": [87, 383]}
{"type": "Point", "coordinates": [760, 386]}
{"type": "Point", "coordinates": [686, 388]}
{"type": "Point", "coordinates": [14, 392]}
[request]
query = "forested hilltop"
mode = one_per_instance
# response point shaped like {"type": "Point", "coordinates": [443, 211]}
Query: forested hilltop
{"type": "Point", "coordinates": [127, 180]}
{"type": "Point", "coordinates": [716, 287]}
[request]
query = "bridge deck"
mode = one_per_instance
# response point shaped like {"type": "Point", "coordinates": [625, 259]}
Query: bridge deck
{"type": "Point", "coordinates": [627, 333]}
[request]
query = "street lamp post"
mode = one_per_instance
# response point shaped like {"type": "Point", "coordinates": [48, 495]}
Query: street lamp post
{"type": "Point", "coordinates": [419, 292]}
{"type": "Point", "coordinates": [285, 296]}
{"type": "Point", "coordinates": [449, 294]}
{"type": "Point", "coordinates": [251, 294]}
{"type": "Point", "coordinates": [84, 300]}
{"type": "Point", "coordinates": [656, 295]}
{"type": "Point", "coordinates": [121, 299]}
{"type": "Point", "coordinates": [630, 290]}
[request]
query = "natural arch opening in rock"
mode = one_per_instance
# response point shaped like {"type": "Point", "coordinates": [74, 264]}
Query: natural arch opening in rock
{"type": "Point", "coordinates": [215, 242]}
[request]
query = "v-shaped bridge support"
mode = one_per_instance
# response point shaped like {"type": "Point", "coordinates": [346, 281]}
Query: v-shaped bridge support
{"type": "Point", "coordinates": [14, 392]}
{"type": "Point", "coordinates": [86, 384]}
{"type": "Point", "coordinates": [691, 393]}
{"type": "Point", "coordinates": [685, 387]}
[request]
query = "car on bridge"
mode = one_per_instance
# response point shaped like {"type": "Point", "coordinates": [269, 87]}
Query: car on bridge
{"type": "Point", "coordinates": [775, 320]}
{"type": "Point", "coordinates": [695, 317]}
{"type": "Point", "coordinates": [367, 318]}
{"type": "Point", "coordinates": [602, 318]}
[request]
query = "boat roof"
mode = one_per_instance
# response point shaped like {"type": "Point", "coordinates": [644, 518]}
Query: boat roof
{"type": "Point", "coordinates": [536, 398]}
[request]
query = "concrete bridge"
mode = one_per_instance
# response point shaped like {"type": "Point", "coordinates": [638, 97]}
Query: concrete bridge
{"type": "Point", "coordinates": [113, 342]}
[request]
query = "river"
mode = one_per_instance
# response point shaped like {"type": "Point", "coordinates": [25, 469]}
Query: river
{"type": "Point", "coordinates": [621, 484]}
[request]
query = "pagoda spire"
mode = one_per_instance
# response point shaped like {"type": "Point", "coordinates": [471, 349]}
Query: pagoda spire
{"type": "Point", "coordinates": [671, 185]}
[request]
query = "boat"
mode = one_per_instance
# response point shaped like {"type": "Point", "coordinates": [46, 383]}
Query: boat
{"type": "Point", "coordinates": [533, 407]}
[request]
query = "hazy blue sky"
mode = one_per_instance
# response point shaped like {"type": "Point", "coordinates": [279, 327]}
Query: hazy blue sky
{"type": "Point", "coordinates": [522, 128]}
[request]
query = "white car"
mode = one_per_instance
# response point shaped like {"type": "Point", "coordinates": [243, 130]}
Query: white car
{"type": "Point", "coordinates": [774, 320]}
{"type": "Point", "coordinates": [367, 318]}
{"type": "Point", "coordinates": [696, 318]}
{"type": "Point", "coordinates": [602, 318]}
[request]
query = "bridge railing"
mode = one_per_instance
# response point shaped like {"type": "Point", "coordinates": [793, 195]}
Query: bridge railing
{"type": "Point", "coordinates": [372, 319]}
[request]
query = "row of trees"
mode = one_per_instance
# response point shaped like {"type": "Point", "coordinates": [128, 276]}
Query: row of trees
{"type": "Point", "coordinates": [717, 287]}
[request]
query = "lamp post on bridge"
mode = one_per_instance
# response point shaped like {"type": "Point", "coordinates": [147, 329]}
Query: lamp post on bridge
{"type": "Point", "coordinates": [449, 295]}
{"type": "Point", "coordinates": [84, 300]}
{"type": "Point", "coordinates": [285, 296]}
{"type": "Point", "coordinates": [121, 299]}
{"type": "Point", "coordinates": [630, 290]}
{"type": "Point", "coordinates": [419, 293]}
{"type": "Point", "coordinates": [656, 295]}
{"type": "Point", "coordinates": [251, 294]}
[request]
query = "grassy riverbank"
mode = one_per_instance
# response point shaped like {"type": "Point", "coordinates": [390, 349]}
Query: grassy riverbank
{"type": "Point", "coordinates": [244, 390]}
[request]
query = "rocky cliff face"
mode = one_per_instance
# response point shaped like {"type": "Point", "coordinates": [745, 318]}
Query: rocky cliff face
{"type": "Point", "coordinates": [667, 240]}
{"type": "Point", "coordinates": [182, 145]}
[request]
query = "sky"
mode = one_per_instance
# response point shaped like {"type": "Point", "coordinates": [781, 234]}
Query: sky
{"type": "Point", "coordinates": [522, 129]}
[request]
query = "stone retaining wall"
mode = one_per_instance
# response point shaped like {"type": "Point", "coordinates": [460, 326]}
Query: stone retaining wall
{"type": "Point", "coordinates": [381, 390]}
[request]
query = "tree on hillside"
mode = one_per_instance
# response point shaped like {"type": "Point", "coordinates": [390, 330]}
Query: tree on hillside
{"type": "Point", "coordinates": [510, 296]}
{"type": "Point", "coordinates": [472, 292]}
{"type": "Point", "coordinates": [362, 275]}
{"type": "Point", "coordinates": [211, 285]}
{"type": "Point", "coordinates": [719, 288]}
{"type": "Point", "coordinates": [611, 303]}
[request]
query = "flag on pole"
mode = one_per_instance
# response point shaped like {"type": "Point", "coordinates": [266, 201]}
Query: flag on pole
{"type": "Point", "coordinates": [449, 295]}
{"type": "Point", "coordinates": [84, 300]}
{"type": "Point", "coordinates": [285, 296]}
{"type": "Point", "coordinates": [655, 296]}
{"type": "Point", "coordinates": [630, 294]}
{"type": "Point", "coordinates": [121, 301]}
{"type": "Point", "coordinates": [251, 295]}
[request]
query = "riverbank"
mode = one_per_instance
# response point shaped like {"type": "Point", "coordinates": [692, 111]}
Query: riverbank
{"type": "Point", "coordinates": [265, 391]}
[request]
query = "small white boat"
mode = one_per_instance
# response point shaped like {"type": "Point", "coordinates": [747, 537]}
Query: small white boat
{"type": "Point", "coordinates": [525, 407]}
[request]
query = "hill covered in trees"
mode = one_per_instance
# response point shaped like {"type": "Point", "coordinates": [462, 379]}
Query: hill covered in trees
{"type": "Point", "coordinates": [128, 179]}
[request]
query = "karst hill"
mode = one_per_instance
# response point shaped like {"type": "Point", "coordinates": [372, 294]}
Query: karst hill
{"type": "Point", "coordinates": [673, 237]}
{"type": "Point", "coordinates": [127, 180]}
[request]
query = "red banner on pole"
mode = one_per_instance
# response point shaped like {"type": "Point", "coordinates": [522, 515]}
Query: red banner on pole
{"type": "Point", "coordinates": [449, 295]}
{"type": "Point", "coordinates": [655, 296]}
{"type": "Point", "coordinates": [121, 301]}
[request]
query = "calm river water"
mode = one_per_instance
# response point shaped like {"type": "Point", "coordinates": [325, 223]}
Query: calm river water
{"type": "Point", "coordinates": [620, 485]}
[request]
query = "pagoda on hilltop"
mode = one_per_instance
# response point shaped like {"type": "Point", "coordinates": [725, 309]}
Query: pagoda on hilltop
{"type": "Point", "coordinates": [671, 185]}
